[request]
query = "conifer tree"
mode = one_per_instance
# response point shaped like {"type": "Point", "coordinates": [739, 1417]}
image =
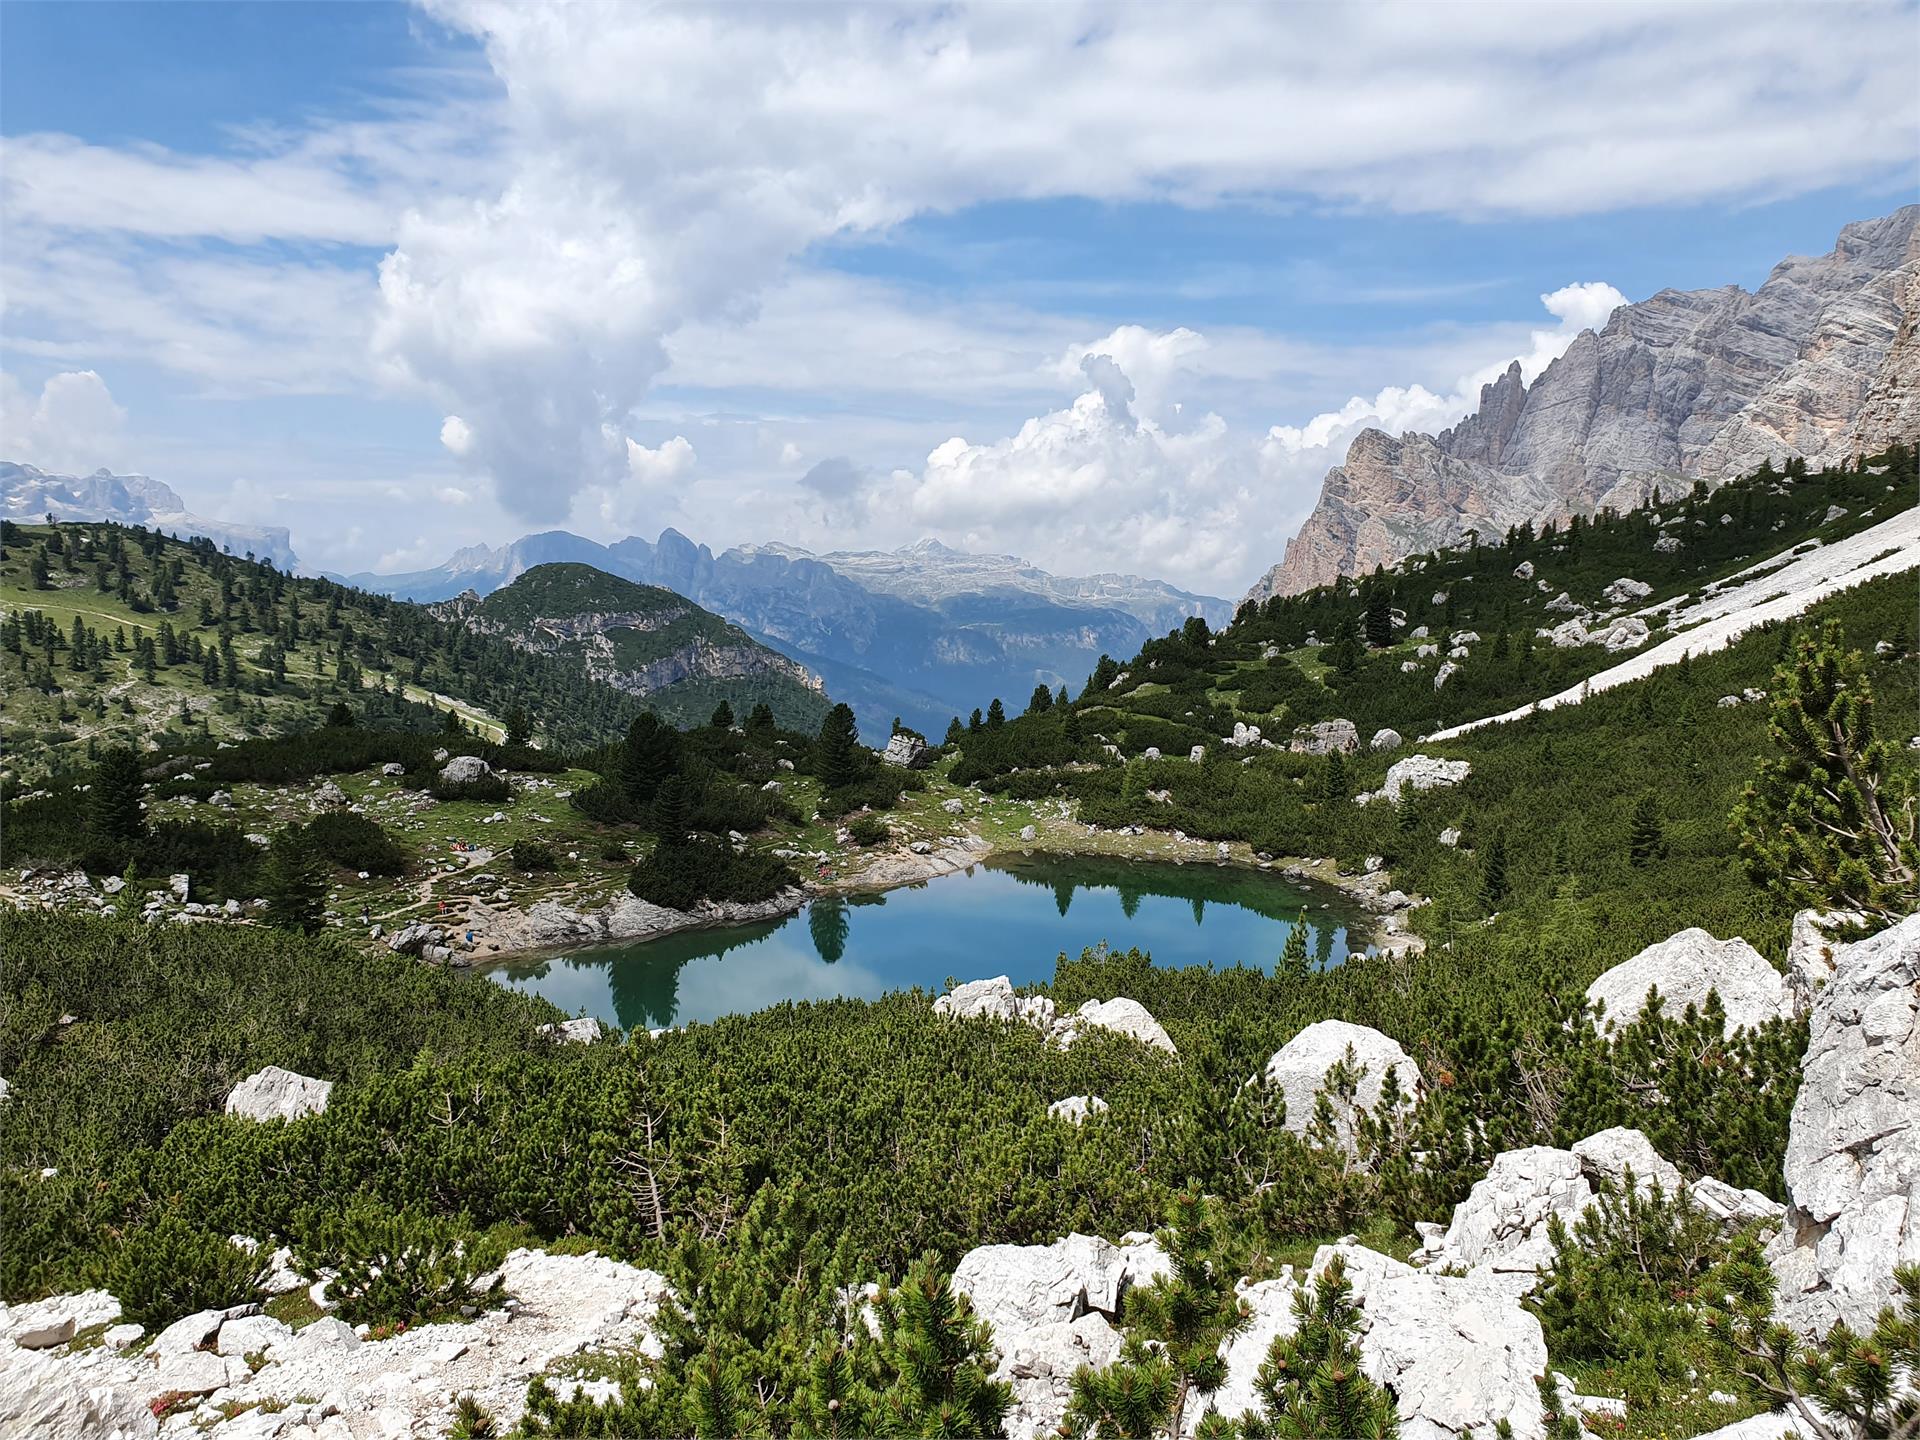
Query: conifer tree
{"type": "Point", "coordinates": [1333, 779]}
{"type": "Point", "coordinates": [1176, 1327]}
{"type": "Point", "coordinates": [722, 716]}
{"type": "Point", "coordinates": [837, 751]}
{"type": "Point", "coordinates": [672, 811]}
{"type": "Point", "coordinates": [1380, 616]}
{"type": "Point", "coordinates": [113, 804]}
{"type": "Point", "coordinates": [1824, 822]}
{"type": "Point", "coordinates": [1041, 701]}
{"type": "Point", "coordinates": [1646, 836]}
{"type": "Point", "coordinates": [996, 714]}
{"type": "Point", "coordinates": [518, 726]}
{"type": "Point", "coordinates": [1493, 873]}
{"type": "Point", "coordinates": [1344, 653]}
{"type": "Point", "coordinates": [955, 731]}
{"type": "Point", "coordinates": [293, 883]}
{"type": "Point", "coordinates": [760, 723]}
{"type": "Point", "coordinates": [1310, 1385]}
{"type": "Point", "coordinates": [1293, 955]}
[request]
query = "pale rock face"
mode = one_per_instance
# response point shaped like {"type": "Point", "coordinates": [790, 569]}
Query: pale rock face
{"type": "Point", "coordinates": [43, 1324]}
{"type": "Point", "coordinates": [1299, 1068]}
{"type": "Point", "coordinates": [1040, 1364]}
{"type": "Point", "coordinates": [1626, 590]}
{"type": "Point", "coordinates": [992, 999]}
{"type": "Point", "coordinates": [1610, 1154]}
{"type": "Point", "coordinates": [1016, 1288]}
{"type": "Point", "coordinates": [1384, 741]}
{"type": "Point", "coordinates": [1810, 953]}
{"type": "Point", "coordinates": [909, 752]}
{"type": "Point", "coordinates": [1450, 837]}
{"type": "Point", "coordinates": [1076, 1110]}
{"type": "Point", "coordinates": [1684, 968]}
{"type": "Point", "coordinates": [581, 1031]}
{"type": "Point", "coordinates": [464, 770]}
{"type": "Point", "coordinates": [1730, 1206]}
{"type": "Point", "coordinates": [276, 1094]}
{"type": "Point", "coordinates": [1127, 1017]}
{"type": "Point", "coordinates": [1422, 772]}
{"type": "Point", "coordinates": [1853, 1148]}
{"type": "Point", "coordinates": [1445, 673]}
{"type": "Point", "coordinates": [1499, 1232]}
{"type": "Point", "coordinates": [1325, 737]}
{"type": "Point", "coordinates": [1523, 571]}
{"type": "Point", "coordinates": [1822, 362]}
{"type": "Point", "coordinates": [1458, 1353]}
{"type": "Point", "coordinates": [330, 795]}
{"type": "Point", "coordinates": [50, 1397]}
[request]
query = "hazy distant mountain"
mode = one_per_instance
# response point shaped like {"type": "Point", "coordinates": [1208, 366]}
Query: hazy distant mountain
{"type": "Point", "coordinates": [1820, 362]}
{"type": "Point", "coordinates": [28, 493]}
{"type": "Point", "coordinates": [923, 633]}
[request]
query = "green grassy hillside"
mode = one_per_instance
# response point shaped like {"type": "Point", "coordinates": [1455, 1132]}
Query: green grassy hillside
{"type": "Point", "coordinates": [110, 634]}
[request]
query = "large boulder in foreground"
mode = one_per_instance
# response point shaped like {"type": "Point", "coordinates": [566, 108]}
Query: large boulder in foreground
{"type": "Point", "coordinates": [1853, 1145]}
{"type": "Point", "coordinates": [276, 1094]}
{"type": "Point", "coordinates": [1684, 968]}
{"type": "Point", "coordinates": [1459, 1354]}
{"type": "Point", "coordinates": [1052, 1309]}
{"type": "Point", "coordinates": [1299, 1068]}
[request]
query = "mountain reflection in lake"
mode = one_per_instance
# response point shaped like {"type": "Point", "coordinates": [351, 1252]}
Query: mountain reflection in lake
{"type": "Point", "coordinates": [1010, 917]}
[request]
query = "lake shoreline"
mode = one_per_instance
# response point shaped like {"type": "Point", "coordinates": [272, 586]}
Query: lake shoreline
{"type": "Point", "coordinates": [548, 929]}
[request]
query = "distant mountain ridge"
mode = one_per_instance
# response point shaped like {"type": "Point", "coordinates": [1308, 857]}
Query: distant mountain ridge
{"type": "Point", "coordinates": [641, 639]}
{"type": "Point", "coordinates": [29, 494]}
{"type": "Point", "coordinates": [1819, 363]}
{"type": "Point", "coordinates": [924, 632]}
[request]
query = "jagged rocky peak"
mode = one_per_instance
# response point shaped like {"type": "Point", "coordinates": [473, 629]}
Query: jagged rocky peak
{"type": "Point", "coordinates": [28, 494]}
{"type": "Point", "coordinates": [1821, 362]}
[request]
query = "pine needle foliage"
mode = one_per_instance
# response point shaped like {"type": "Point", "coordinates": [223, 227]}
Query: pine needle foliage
{"type": "Point", "coordinates": [1826, 821]}
{"type": "Point", "coordinates": [1311, 1385]}
{"type": "Point", "coordinates": [1175, 1328]}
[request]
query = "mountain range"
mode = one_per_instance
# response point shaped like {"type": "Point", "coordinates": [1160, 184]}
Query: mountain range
{"type": "Point", "coordinates": [923, 633]}
{"type": "Point", "coordinates": [29, 494]}
{"type": "Point", "coordinates": [1821, 363]}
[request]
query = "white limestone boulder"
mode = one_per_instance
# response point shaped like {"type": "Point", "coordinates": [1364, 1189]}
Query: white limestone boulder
{"type": "Point", "coordinates": [1121, 1015]}
{"type": "Point", "coordinates": [1040, 1365]}
{"type": "Point", "coordinates": [1731, 1206]}
{"type": "Point", "coordinates": [465, 770]}
{"type": "Point", "coordinates": [1500, 1231]}
{"type": "Point", "coordinates": [1609, 1155]}
{"type": "Point", "coordinates": [1298, 1069]}
{"type": "Point", "coordinates": [581, 1031]}
{"type": "Point", "coordinates": [1459, 1354]}
{"type": "Point", "coordinates": [1422, 772]}
{"type": "Point", "coordinates": [1017, 1288]}
{"type": "Point", "coordinates": [1076, 1110]}
{"type": "Point", "coordinates": [1684, 968]}
{"type": "Point", "coordinates": [979, 999]}
{"type": "Point", "coordinates": [276, 1094]}
{"type": "Point", "coordinates": [1385, 740]}
{"type": "Point", "coordinates": [44, 1324]}
{"type": "Point", "coordinates": [1853, 1143]}
{"type": "Point", "coordinates": [1810, 953]}
{"type": "Point", "coordinates": [54, 1397]}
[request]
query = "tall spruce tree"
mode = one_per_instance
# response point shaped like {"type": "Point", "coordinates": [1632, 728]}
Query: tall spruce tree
{"type": "Point", "coordinates": [113, 804]}
{"type": "Point", "coordinates": [293, 882]}
{"type": "Point", "coordinates": [1380, 616]}
{"type": "Point", "coordinates": [837, 750]}
{"type": "Point", "coordinates": [1493, 873]}
{"type": "Point", "coordinates": [1646, 835]}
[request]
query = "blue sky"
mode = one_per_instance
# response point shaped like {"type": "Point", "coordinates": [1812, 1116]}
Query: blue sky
{"type": "Point", "coordinates": [406, 278]}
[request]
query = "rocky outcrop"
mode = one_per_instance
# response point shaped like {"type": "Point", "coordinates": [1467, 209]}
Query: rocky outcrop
{"type": "Point", "coordinates": [1076, 1110]}
{"type": "Point", "coordinates": [1819, 362]}
{"type": "Point", "coordinates": [1417, 772]}
{"type": "Point", "coordinates": [465, 770]}
{"type": "Point", "coordinates": [909, 752]}
{"type": "Point", "coordinates": [276, 1094]}
{"type": "Point", "coordinates": [324, 1379]}
{"type": "Point", "coordinates": [1298, 1070]}
{"type": "Point", "coordinates": [1684, 968]}
{"type": "Point", "coordinates": [994, 1000]}
{"type": "Point", "coordinates": [1052, 1309]}
{"type": "Point", "coordinates": [1459, 1353]}
{"type": "Point", "coordinates": [1853, 1144]}
{"type": "Point", "coordinates": [1324, 737]}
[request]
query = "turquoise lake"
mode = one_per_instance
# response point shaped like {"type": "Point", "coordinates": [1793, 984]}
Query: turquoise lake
{"type": "Point", "coordinates": [1008, 918]}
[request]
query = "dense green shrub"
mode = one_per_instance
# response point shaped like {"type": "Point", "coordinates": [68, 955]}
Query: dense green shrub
{"type": "Point", "coordinates": [681, 876]}
{"type": "Point", "coordinates": [398, 1267]}
{"type": "Point", "coordinates": [488, 789]}
{"type": "Point", "coordinates": [355, 842]}
{"type": "Point", "coordinates": [534, 855]}
{"type": "Point", "coordinates": [869, 830]}
{"type": "Point", "coordinates": [168, 1269]}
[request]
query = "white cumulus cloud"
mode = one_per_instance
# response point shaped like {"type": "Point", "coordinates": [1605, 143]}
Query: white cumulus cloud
{"type": "Point", "coordinates": [72, 426]}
